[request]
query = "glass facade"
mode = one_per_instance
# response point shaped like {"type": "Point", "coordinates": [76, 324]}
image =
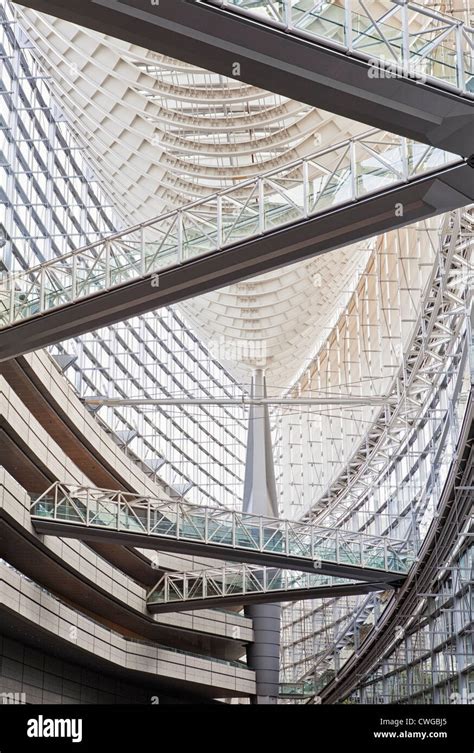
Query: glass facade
{"type": "Point", "coordinates": [401, 333]}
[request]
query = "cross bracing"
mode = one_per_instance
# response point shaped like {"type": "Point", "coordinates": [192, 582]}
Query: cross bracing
{"type": "Point", "coordinates": [83, 512]}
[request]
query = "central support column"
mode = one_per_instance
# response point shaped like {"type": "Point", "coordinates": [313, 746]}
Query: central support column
{"type": "Point", "coordinates": [260, 498]}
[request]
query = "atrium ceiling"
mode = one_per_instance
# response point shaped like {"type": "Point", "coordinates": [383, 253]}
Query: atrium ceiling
{"type": "Point", "coordinates": [161, 133]}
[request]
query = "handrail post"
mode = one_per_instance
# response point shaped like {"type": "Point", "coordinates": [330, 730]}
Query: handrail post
{"type": "Point", "coordinates": [219, 220]}
{"type": "Point", "coordinates": [460, 78]}
{"type": "Point", "coordinates": [353, 169]}
{"type": "Point", "coordinates": [107, 264]}
{"type": "Point", "coordinates": [261, 205]}
{"type": "Point", "coordinates": [305, 188]}
{"type": "Point", "coordinates": [288, 15]}
{"type": "Point", "coordinates": [405, 163]}
{"type": "Point", "coordinates": [11, 282]}
{"type": "Point", "coordinates": [142, 251]}
{"type": "Point", "coordinates": [348, 36]}
{"type": "Point", "coordinates": [41, 294]}
{"type": "Point", "coordinates": [179, 236]}
{"type": "Point", "coordinates": [405, 40]}
{"type": "Point", "coordinates": [74, 278]}
{"type": "Point", "coordinates": [88, 507]}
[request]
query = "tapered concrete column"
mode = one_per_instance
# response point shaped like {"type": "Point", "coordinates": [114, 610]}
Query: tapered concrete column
{"type": "Point", "coordinates": [260, 497]}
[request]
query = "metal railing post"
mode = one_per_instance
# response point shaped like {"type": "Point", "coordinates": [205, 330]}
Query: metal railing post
{"type": "Point", "coordinates": [405, 165]}
{"type": "Point", "coordinates": [88, 515]}
{"type": "Point", "coordinates": [219, 220]}
{"type": "Point", "coordinates": [348, 35]}
{"type": "Point", "coordinates": [460, 78]}
{"type": "Point", "coordinates": [11, 283]}
{"type": "Point", "coordinates": [41, 295]}
{"type": "Point", "coordinates": [287, 15]}
{"type": "Point", "coordinates": [305, 188]}
{"type": "Point", "coordinates": [74, 278]}
{"type": "Point", "coordinates": [261, 205]}
{"type": "Point", "coordinates": [55, 508]}
{"type": "Point", "coordinates": [179, 236]}
{"type": "Point", "coordinates": [405, 39]}
{"type": "Point", "coordinates": [142, 251]}
{"type": "Point", "coordinates": [353, 169]}
{"type": "Point", "coordinates": [107, 264]}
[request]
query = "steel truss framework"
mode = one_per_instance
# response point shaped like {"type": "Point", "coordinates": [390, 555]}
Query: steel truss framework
{"type": "Point", "coordinates": [347, 637]}
{"type": "Point", "coordinates": [432, 662]}
{"type": "Point", "coordinates": [343, 609]}
{"type": "Point", "coordinates": [443, 315]}
{"type": "Point", "coordinates": [284, 200]}
{"type": "Point", "coordinates": [53, 202]}
{"type": "Point", "coordinates": [339, 627]}
{"type": "Point", "coordinates": [85, 512]}
{"type": "Point", "coordinates": [173, 102]}
{"type": "Point", "coordinates": [406, 38]}
{"type": "Point", "coordinates": [431, 603]}
{"type": "Point", "coordinates": [294, 44]}
{"type": "Point", "coordinates": [246, 584]}
{"type": "Point", "coordinates": [433, 365]}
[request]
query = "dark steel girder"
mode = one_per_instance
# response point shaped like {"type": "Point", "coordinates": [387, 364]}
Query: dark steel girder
{"type": "Point", "coordinates": [307, 71]}
{"type": "Point", "coordinates": [442, 191]}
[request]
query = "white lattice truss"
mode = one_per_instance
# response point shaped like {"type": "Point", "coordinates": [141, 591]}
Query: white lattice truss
{"type": "Point", "coordinates": [236, 581]}
{"type": "Point", "coordinates": [178, 520]}
{"type": "Point", "coordinates": [329, 178]}
{"type": "Point", "coordinates": [435, 352]}
{"type": "Point", "coordinates": [407, 38]}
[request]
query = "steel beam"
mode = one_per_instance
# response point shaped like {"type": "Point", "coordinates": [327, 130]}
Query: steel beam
{"type": "Point", "coordinates": [340, 402]}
